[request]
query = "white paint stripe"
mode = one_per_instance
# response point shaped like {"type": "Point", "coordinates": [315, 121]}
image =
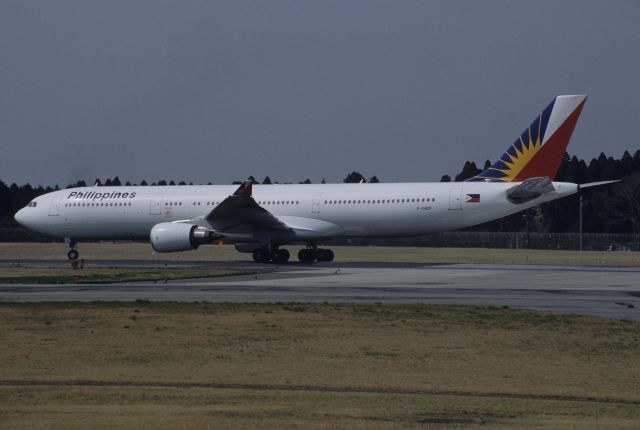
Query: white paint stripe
{"type": "Point", "coordinates": [562, 108]}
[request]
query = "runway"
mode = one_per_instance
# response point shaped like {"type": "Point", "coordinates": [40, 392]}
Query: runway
{"type": "Point", "coordinates": [612, 292]}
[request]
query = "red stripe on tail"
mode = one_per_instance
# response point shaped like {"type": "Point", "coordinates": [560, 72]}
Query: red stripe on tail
{"type": "Point", "coordinates": [547, 161]}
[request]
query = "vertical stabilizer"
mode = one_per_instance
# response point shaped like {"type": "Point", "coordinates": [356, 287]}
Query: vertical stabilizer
{"type": "Point", "coordinates": [539, 149]}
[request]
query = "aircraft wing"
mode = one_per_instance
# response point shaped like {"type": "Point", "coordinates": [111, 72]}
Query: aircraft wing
{"type": "Point", "coordinates": [240, 213]}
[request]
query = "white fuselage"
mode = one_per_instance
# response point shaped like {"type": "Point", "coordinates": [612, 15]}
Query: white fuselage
{"type": "Point", "coordinates": [369, 210]}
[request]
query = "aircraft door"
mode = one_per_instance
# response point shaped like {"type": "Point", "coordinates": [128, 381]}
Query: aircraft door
{"type": "Point", "coordinates": [155, 208]}
{"type": "Point", "coordinates": [455, 199]}
{"type": "Point", "coordinates": [315, 205]}
{"type": "Point", "coordinates": [54, 207]}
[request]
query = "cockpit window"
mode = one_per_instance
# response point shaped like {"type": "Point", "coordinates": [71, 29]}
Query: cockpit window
{"type": "Point", "coordinates": [32, 204]}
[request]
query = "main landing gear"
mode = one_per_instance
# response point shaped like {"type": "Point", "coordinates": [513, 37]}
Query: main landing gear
{"type": "Point", "coordinates": [306, 255]}
{"type": "Point", "coordinates": [275, 256]}
{"type": "Point", "coordinates": [311, 255]}
{"type": "Point", "coordinates": [73, 253]}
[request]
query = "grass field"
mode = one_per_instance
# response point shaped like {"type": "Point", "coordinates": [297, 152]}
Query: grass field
{"type": "Point", "coordinates": [142, 251]}
{"type": "Point", "coordinates": [167, 365]}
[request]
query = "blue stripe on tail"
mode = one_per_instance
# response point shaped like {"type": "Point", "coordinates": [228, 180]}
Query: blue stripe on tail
{"type": "Point", "coordinates": [512, 161]}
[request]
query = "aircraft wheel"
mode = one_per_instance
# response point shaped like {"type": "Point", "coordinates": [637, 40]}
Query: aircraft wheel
{"type": "Point", "coordinates": [306, 255]}
{"type": "Point", "coordinates": [73, 254]}
{"type": "Point", "coordinates": [280, 256]}
{"type": "Point", "coordinates": [325, 255]}
{"type": "Point", "coordinates": [260, 256]}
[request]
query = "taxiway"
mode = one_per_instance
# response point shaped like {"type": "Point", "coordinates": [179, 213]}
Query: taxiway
{"type": "Point", "coordinates": [612, 292]}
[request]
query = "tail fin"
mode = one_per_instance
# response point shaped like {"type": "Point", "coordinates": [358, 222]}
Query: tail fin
{"type": "Point", "coordinates": [539, 149]}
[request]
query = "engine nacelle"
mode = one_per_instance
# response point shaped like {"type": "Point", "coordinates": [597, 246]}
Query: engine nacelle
{"type": "Point", "coordinates": [173, 237]}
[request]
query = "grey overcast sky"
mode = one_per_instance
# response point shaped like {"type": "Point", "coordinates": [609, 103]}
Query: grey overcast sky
{"type": "Point", "coordinates": [214, 91]}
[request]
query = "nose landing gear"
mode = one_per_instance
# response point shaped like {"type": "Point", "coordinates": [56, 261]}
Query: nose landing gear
{"type": "Point", "coordinates": [73, 253]}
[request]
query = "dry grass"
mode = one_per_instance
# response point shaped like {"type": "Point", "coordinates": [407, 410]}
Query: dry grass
{"type": "Point", "coordinates": [142, 251]}
{"type": "Point", "coordinates": [81, 408]}
{"type": "Point", "coordinates": [431, 348]}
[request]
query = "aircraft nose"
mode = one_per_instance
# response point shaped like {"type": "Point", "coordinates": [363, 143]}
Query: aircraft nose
{"type": "Point", "coordinates": [21, 216]}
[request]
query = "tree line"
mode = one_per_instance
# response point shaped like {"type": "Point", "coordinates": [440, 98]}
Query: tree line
{"type": "Point", "coordinates": [609, 209]}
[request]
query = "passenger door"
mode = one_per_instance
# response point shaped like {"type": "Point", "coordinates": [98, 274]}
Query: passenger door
{"type": "Point", "coordinates": [315, 205]}
{"type": "Point", "coordinates": [155, 208]}
{"type": "Point", "coordinates": [54, 207]}
{"type": "Point", "coordinates": [455, 199]}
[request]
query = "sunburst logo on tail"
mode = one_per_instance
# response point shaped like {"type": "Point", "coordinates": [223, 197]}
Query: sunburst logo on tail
{"type": "Point", "coordinates": [519, 155]}
{"type": "Point", "coordinates": [523, 150]}
{"type": "Point", "coordinates": [539, 149]}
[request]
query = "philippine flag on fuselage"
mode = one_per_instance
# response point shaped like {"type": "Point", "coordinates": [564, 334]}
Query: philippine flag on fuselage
{"type": "Point", "coordinates": [473, 198]}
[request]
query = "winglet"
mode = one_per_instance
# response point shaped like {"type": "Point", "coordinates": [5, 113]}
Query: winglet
{"type": "Point", "coordinates": [244, 190]}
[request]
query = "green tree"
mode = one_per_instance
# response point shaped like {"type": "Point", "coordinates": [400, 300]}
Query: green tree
{"type": "Point", "coordinates": [468, 171]}
{"type": "Point", "coordinates": [354, 178]}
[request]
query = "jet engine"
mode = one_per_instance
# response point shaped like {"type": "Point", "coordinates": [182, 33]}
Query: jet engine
{"type": "Point", "coordinates": [173, 237]}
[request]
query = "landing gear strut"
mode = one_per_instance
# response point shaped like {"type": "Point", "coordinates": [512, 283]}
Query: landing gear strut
{"type": "Point", "coordinates": [73, 253]}
{"type": "Point", "coordinates": [275, 256]}
{"type": "Point", "coordinates": [311, 255]}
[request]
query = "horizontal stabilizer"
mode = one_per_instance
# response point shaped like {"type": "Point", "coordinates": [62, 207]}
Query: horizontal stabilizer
{"type": "Point", "coordinates": [529, 190]}
{"type": "Point", "coordinates": [596, 184]}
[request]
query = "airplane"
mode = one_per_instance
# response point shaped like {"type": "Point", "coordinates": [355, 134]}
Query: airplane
{"type": "Point", "coordinates": [260, 219]}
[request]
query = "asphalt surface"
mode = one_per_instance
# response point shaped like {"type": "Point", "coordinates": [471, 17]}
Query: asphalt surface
{"type": "Point", "coordinates": [604, 291]}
